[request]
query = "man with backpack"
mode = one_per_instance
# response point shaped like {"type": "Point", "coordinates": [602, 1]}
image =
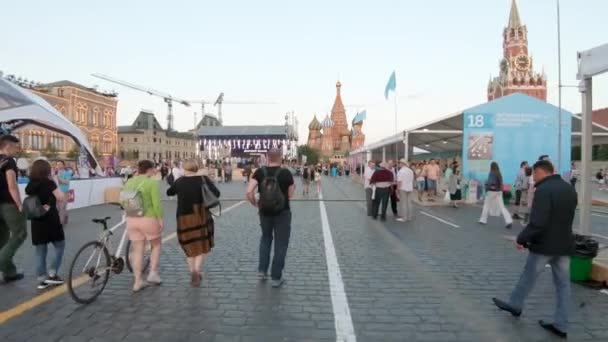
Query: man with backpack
{"type": "Point", "coordinates": [275, 186]}
{"type": "Point", "coordinates": [306, 176]}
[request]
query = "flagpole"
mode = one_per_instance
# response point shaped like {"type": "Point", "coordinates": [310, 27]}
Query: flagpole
{"type": "Point", "coordinates": [396, 150]}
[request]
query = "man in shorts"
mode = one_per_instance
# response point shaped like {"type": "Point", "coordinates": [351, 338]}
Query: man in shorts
{"type": "Point", "coordinates": [433, 173]}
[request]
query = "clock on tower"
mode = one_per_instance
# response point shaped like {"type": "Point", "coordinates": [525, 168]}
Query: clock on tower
{"type": "Point", "coordinates": [516, 70]}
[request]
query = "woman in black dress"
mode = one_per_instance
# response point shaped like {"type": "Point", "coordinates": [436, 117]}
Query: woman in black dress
{"type": "Point", "coordinates": [47, 229]}
{"type": "Point", "coordinates": [195, 226]}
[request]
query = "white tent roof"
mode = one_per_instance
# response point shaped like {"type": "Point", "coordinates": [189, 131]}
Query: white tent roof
{"type": "Point", "coordinates": [18, 105]}
{"type": "Point", "coordinates": [445, 135]}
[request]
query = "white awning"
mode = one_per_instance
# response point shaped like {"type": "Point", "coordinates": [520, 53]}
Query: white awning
{"type": "Point", "coordinates": [445, 135]}
{"type": "Point", "coordinates": [18, 105]}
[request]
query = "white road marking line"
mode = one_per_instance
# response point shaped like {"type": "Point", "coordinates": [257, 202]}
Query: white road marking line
{"type": "Point", "coordinates": [439, 219]}
{"type": "Point", "coordinates": [174, 235]}
{"type": "Point", "coordinates": [49, 295]}
{"type": "Point", "coordinates": [345, 332]}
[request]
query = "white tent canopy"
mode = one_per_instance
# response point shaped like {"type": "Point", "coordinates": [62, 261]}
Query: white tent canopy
{"type": "Point", "coordinates": [20, 107]}
{"type": "Point", "coordinates": [445, 135]}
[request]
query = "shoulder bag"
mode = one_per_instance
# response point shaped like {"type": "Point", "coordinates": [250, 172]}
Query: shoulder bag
{"type": "Point", "coordinates": [32, 208]}
{"type": "Point", "coordinates": [209, 199]}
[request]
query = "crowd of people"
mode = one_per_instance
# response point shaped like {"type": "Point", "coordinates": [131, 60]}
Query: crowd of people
{"type": "Point", "coordinates": [194, 222]}
{"type": "Point", "coordinates": [50, 184]}
{"type": "Point", "coordinates": [388, 182]}
{"type": "Point", "coordinates": [544, 201]}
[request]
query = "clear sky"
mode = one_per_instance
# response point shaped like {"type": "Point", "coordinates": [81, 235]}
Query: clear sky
{"type": "Point", "coordinates": [294, 52]}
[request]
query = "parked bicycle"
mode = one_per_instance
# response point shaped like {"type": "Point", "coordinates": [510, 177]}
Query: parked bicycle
{"type": "Point", "coordinates": [95, 261]}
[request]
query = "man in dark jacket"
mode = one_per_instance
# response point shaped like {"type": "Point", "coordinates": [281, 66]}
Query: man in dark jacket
{"type": "Point", "coordinates": [549, 239]}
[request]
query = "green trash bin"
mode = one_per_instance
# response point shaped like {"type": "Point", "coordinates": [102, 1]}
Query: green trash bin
{"type": "Point", "coordinates": [506, 198]}
{"type": "Point", "coordinates": [580, 268]}
{"type": "Point", "coordinates": [581, 262]}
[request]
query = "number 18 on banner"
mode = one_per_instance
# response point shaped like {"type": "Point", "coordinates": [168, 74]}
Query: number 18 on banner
{"type": "Point", "coordinates": [478, 121]}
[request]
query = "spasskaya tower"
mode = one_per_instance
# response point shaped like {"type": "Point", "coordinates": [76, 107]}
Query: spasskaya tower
{"type": "Point", "coordinates": [517, 74]}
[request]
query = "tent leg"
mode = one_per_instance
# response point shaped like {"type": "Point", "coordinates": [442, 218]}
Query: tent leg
{"type": "Point", "coordinates": [586, 151]}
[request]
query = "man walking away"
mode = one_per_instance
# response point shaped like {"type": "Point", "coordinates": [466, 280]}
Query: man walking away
{"type": "Point", "coordinates": [548, 237]}
{"type": "Point", "coordinates": [382, 179]}
{"type": "Point", "coordinates": [367, 176]}
{"type": "Point", "coordinates": [306, 174]}
{"type": "Point", "coordinates": [574, 174]}
{"type": "Point", "coordinates": [520, 185]}
{"type": "Point", "coordinates": [275, 186]}
{"type": "Point", "coordinates": [12, 222]}
{"type": "Point", "coordinates": [406, 181]}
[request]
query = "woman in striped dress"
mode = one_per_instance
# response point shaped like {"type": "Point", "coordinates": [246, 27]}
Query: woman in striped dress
{"type": "Point", "coordinates": [195, 226]}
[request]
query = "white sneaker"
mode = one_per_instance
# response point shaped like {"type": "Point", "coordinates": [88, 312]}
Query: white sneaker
{"type": "Point", "coordinates": [154, 278]}
{"type": "Point", "coordinates": [400, 219]}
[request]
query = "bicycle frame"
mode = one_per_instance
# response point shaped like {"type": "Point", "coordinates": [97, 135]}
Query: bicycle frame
{"type": "Point", "coordinates": [105, 238]}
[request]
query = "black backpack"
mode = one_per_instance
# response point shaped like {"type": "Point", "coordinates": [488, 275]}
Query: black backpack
{"type": "Point", "coordinates": [305, 174]}
{"type": "Point", "coordinates": [272, 200]}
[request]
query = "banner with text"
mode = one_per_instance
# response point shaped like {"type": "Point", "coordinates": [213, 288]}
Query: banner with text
{"type": "Point", "coordinates": [509, 138]}
{"type": "Point", "coordinates": [244, 146]}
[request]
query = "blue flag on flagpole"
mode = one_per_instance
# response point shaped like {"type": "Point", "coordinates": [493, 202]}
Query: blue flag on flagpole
{"type": "Point", "coordinates": [391, 85]}
{"type": "Point", "coordinates": [360, 116]}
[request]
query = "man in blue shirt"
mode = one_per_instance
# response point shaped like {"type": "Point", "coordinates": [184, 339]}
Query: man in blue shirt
{"type": "Point", "coordinates": [63, 181]}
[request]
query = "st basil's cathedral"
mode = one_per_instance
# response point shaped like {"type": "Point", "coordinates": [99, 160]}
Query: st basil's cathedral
{"type": "Point", "coordinates": [331, 136]}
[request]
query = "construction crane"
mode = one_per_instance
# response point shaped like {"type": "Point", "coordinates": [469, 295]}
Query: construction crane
{"type": "Point", "coordinates": [166, 97]}
{"type": "Point", "coordinates": [220, 101]}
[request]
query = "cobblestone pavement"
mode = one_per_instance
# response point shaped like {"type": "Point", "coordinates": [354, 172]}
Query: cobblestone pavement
{"type": "Point", "coordinates": [429, 280]}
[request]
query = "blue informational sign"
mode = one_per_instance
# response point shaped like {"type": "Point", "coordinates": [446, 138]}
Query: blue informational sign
{"type": "Point", "coordinates": [510, 130]}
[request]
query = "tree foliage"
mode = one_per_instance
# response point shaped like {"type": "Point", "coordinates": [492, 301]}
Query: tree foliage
{"type": "Point", "coordinates": [73, 153]}
{"type": "Point", "coordinates": [312, 155]}
{"type": "Point", "coordinates": [50, 151]}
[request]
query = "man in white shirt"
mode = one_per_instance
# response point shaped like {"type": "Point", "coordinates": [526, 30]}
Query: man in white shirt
{"type": "Point", "coordinates": [177, 171]}
{"type": "Point", "coordinates": [405, 184]}
{"type": "Point", "coordinates": [367, 175]}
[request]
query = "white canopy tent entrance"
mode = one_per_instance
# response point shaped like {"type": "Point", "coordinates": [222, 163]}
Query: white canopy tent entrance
{"type": "Point", "coordinates": [19, 107]}
{"type": "Point", "coordinates": [443, 137]}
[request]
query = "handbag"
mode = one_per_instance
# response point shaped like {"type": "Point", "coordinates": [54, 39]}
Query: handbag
{"type": "Point", "coordinates": [209, 198]}
{"type": "Point", "coordinates": [446, 197]}
{"type": "Point", "coordinates": [32, 208]}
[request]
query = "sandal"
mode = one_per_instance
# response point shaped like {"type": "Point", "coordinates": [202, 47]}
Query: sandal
{"type": "Point", "coordinates": [140, 286]}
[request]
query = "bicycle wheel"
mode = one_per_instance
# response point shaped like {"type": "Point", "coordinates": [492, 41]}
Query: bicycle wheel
{"type": "Point", "coordinates": [89, 272]}
{"type": "Point", "coordinates": [146, 260]}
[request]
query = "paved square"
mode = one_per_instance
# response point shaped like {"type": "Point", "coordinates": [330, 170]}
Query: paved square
{"type": "Point", "coordinates": [419, 281]}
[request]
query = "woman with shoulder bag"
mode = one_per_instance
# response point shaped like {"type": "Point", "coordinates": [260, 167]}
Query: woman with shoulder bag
{"type": "Point", "coordinates": [195, 226]}
{"type": "Point", "coordinates": [48, 228]}
{"type": "Point", "coordinates": [493, 203]}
